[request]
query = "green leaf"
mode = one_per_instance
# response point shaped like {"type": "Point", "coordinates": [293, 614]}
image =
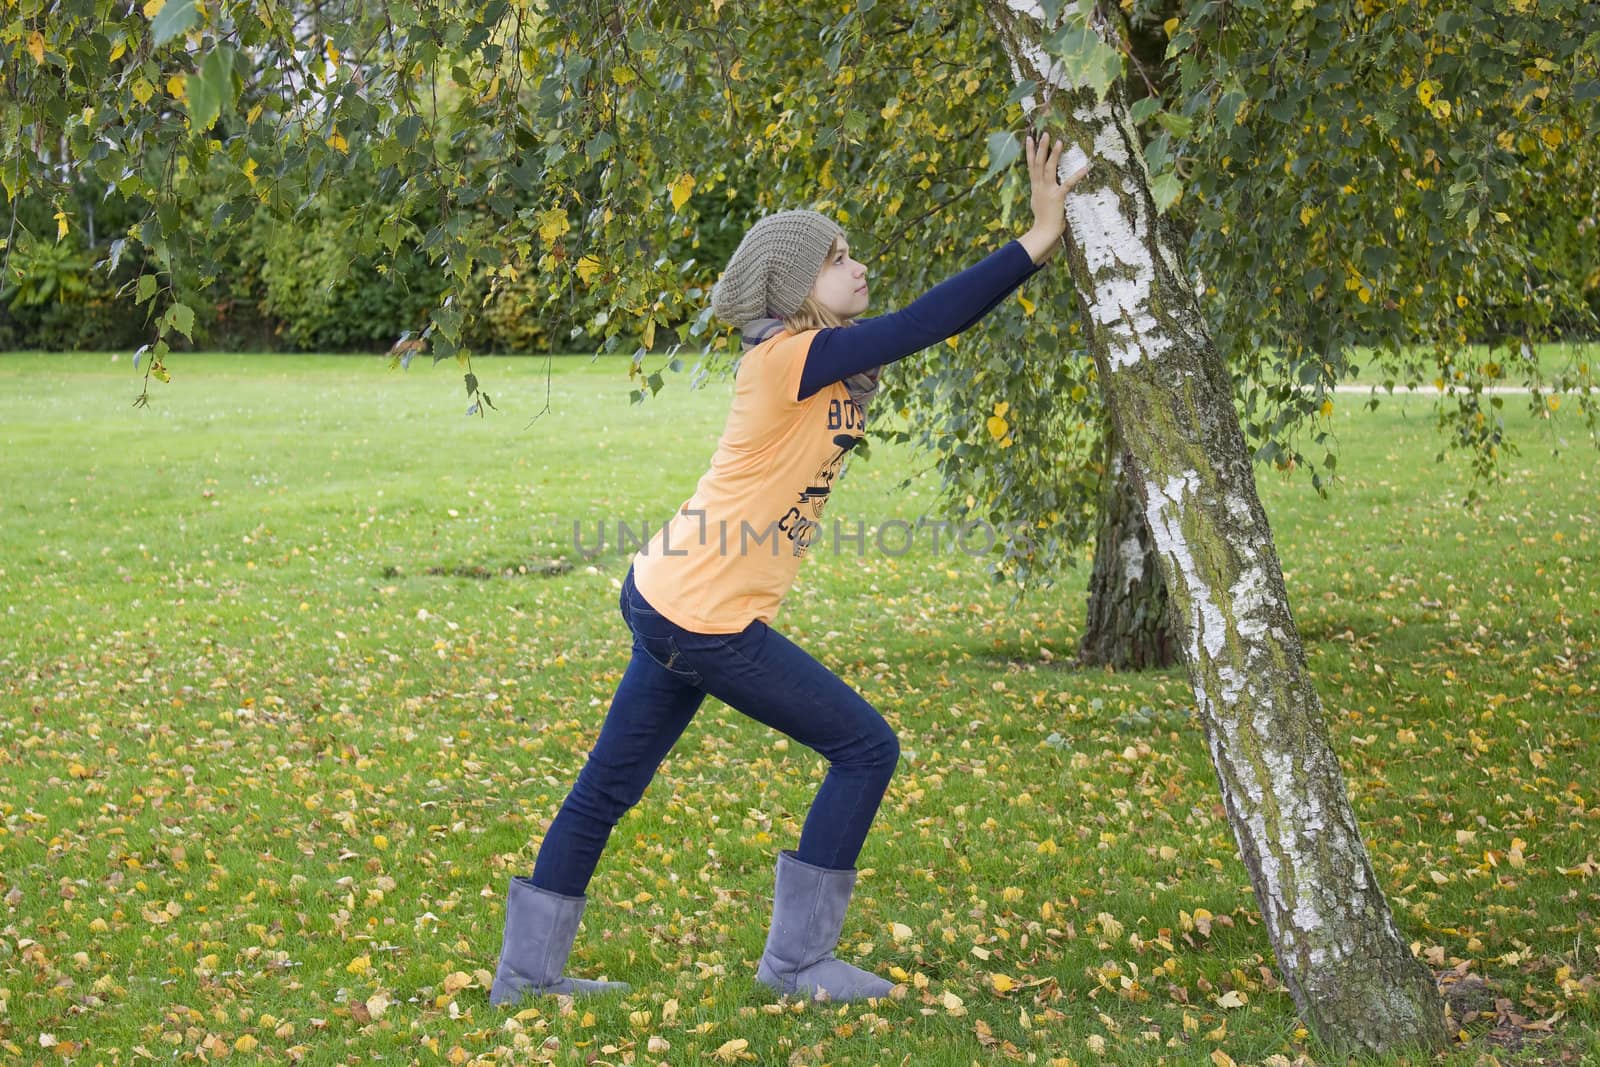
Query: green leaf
{"type": "Point", "coordinates": [181, 316]}
{"type": "Point", "coordinates": [147, 287]}
{"type": "Point", "coordinates": [409, 128]}
{"type": "Point", "coordinates": [211, 93]}
{"type": "Point", "coordinates": [1021, 90]}
{"type": "Point", "coordinates": [1004, 148]}
{"type": "Point", "coordinates": [175, 18]}
{"type": "Point", "coordinates": [1166, 189]}
{"type": "Point", "coordinates": [1087, 60]}
{"type": "Point", "coordinates": [1177, 125]}
{"type": "Point", "coordinates": [1143, 108]}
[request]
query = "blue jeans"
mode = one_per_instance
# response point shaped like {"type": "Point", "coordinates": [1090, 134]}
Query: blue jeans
{"type": "Point", "coordinates": [758, 672]}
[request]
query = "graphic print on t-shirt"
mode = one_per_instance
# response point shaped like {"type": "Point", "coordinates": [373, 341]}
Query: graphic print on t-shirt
{"type": "Point", "coordinates": [801, 522]}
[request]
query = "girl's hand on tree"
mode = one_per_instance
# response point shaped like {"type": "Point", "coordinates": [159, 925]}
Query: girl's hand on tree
{"type": "Point", "coordinates": [1049, 196]}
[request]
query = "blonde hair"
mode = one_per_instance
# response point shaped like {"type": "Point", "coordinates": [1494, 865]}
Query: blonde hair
{"type": "Point", "coordinates": [812, 315]}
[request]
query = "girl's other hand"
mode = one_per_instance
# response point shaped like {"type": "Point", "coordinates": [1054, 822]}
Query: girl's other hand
{"type": "Point", "coordinates": [1049, 196]}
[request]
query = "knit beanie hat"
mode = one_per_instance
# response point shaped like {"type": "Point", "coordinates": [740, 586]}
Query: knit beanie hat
{"type": "Point", "coordinates": [774, 267]}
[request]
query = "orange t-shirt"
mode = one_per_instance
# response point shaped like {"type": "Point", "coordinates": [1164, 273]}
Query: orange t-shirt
{"type": "Point", "coordinates": [734, 548]}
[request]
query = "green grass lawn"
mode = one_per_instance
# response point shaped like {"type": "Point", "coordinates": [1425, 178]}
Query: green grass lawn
{"type": "Point", "coordinates": [263, 776]}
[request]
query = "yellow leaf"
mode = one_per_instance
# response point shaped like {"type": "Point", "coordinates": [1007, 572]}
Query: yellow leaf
{"type": "Point", "coordinates": [61, 224]}
{"type": "Point", "coordinates": [338, 143]}
{"type": "Point", "coordinates": [1221, 1058]}
{"type": "Point", "coordinates": [649, 337]}
{"type": "Point", "coordinates": [36, 46]}
{"type": "Point", "coordinates": [681, 190]}
{"type": "Point", "coordinates": [1425, 91]}
{"type": "Point", "coordinates": [588, 267]}
{"type": "Point", "coordinates": [176, 87]}
{"type": "Point", "coordinates": [998, 427]}
{"type": "Point", "coordinates": [1001, 407]}
{"type": "Point", "coordinates": [1027, 305]}
{"type": "Point", "coordinates": [1327, 408]}
{"type": "Point", "coordinates": [245, 1043]}
{"type": "Point", "coordinates": [953, 1004]}
{"type": "Point", "coordinates": [250, 171]}
{"type": "Point", "coordinates": [1554, 402]}
{"type": "Point", "coordinates": [1231, 999]}
{"type": "Point", "coordinates": [118, 49]}
{"type": "Point", "coordinates": [552, 224]}
{"type": "Point", "coordinates": [729, 1051]}
{"type": "Point", "coordinates": [332, 53]}
{"type": "Point", "coordinates": [1171, 27]}
{"type": "Point", "coordinates": [143, 90]}
{"type": "Point", "coordinates": [1307, 213]}
{"type": "Point", "coordinates": [153, 8]}
{"type": "Point", "coordinates": [1097, 1044]}
{"type": "Point", "coordinates": [900, 932]}
{"type": "Point", "coordinates": [359, 965]}
{"type": "Point", "coordinates": [1002, 983]}
{"type": "Point", "coordinates": [1551, 136]}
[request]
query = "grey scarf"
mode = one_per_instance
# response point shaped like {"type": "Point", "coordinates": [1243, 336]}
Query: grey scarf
{"type": "Point", "coordinates": [863, 387]}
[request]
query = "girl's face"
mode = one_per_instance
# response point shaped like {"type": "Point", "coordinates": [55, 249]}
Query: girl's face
{"type": "Point", "coordinates": [841, 286]}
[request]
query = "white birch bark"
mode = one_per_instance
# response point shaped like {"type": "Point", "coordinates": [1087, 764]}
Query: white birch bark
{"type": "Point", "coordinates": [1338, 949]}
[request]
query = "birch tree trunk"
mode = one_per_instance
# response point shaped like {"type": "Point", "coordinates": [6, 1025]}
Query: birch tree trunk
{"type": "Point", "coordinates": [1127, 627]}
{"type": "Point", "coordinates": [1340, 954]}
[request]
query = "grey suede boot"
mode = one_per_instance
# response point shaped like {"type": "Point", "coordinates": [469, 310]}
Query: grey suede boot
{"type": "Point", "coordinates": [808, 906]}
{"type": "Point", "coordinates": [540, 926]}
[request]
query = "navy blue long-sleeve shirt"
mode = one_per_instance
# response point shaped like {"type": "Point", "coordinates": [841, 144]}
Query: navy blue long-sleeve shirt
{"type": "Point", "coordinates": [943, 311]}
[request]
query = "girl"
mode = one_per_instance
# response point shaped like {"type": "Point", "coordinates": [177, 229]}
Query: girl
{"type": "Point", "coordinates": [701, 596]}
